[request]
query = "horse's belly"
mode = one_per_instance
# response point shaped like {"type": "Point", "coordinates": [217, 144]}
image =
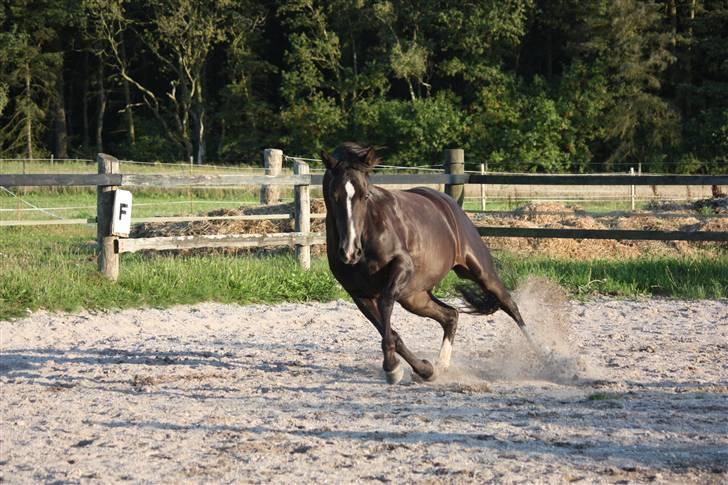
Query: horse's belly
{"type": "Point", "coordinates": [429, 273]}
{"type": "Point", "coordinates": [359, 282]}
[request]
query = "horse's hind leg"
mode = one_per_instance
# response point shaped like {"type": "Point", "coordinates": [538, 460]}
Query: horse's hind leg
{"type": "Point", "coordinates": [422, 367]}
{"type": "Point", "coordinates": [482, 272]}
{"type": "Point", "coordinates": [426, 305]}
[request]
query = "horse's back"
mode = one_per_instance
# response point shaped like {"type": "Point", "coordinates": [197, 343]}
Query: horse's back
{"type": "Point", "coordinates": [446, 204]}
{"type": "Point", "coordinates": [467, 238]}
{"type": "Point", "coordinates": [434, 195]}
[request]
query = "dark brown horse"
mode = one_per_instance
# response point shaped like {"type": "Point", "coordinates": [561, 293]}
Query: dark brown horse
{"type": "Point", "coordinates": [385, 246]}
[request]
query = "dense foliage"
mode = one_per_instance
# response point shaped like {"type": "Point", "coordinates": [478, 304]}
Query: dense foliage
{"type": "Point", "coordinates": [535, 85]}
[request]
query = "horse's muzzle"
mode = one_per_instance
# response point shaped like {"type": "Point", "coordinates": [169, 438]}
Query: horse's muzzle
{"type": "Point", "coordinates": [351, 258]}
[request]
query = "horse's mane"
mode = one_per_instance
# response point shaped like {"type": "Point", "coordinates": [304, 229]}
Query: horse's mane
{"type": "Point", "coordinates": [355, 155]}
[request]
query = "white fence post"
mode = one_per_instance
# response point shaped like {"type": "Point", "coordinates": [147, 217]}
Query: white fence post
{"type": "Point", "coordinates": [302, 221]}
{"type": "Point", "coordinates": [108, 258]}
{"type": "Point", "coordinates": [631, 188]}
{"type": "Point", "coordinates": [273, 162]}
{"type": "Point", "coordinates": [482, 188]}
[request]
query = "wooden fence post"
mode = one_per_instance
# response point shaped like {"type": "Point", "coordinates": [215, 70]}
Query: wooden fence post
{"type": "Point", "coordinates": [454, 161]}
{"type": "Point", "coordinates": [482, 188]}
{"type": "Point", "coordinates": [273, 162]}
{"type": "Point", "coordinates": [631, 188]}
{"type": "Point", "coordinates": [302, 216]}
{"type": "Point", "coordinates": [107, 257]}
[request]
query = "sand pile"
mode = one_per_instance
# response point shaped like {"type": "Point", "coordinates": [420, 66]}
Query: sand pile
{"type": "Point", "coordinates": [718, 205]}
{"type": "Point", "coordinates": [227, 226]}
{"type": "Point", "coordinates": [222, 226]}
{"type": "Point", "coordinates": [533, 215]}
{"type": "Point", "coordinates": [556, 216]}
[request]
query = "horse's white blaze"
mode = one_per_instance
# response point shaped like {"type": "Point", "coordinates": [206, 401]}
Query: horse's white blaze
{"type": "Point", "coordinates": [445, 352]}
{"type": "Point", "coordinates": [350, 191]}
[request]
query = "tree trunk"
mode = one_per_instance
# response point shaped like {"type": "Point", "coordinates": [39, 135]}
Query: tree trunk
{"type": "Point", "coordinates": [85, 141]}
{"type": "Point", "coordinates": [131, 133]}
{"type": "Point", "coordinates": [102, 108]}
{"type": "Point", "coordinates": [355, 94]}
{"type": "Point", "coordinates": [221, 143]}
{"type": "Point", "coordinates": [186, 139]}
{"type": "Point", "coordinates": [411, 89]}
{"type": "Point", "coordinates": [28, 114]}
{"type": "Point", "coordinates": [199, 115]}
{"type": "Point", "coordinates": [689, 55]}
{"type": "Point", "coordinates": [201, 145]}
{"type": "Point", "coordinates": [60, 126]}
{"type": "Point", "coordinates": [183, 108]}
{"type": "Point", "coordinates": [673, 42]}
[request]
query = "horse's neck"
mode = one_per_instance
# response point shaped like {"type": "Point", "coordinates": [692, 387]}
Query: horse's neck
{"type": "Point", "coordinates": [378, 196]}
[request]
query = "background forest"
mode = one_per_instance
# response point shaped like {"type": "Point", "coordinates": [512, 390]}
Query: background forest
{"type": "Point", "coordinates": [526, 85]}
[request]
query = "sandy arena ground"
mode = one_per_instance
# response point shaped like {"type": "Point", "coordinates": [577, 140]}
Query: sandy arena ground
{"type": "Point", "coordinates": [633, 391]}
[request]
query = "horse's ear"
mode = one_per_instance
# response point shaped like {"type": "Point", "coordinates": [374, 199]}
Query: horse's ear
{"type": "Point", "coordinates": [329, 161]}
{"type": "Point", "coordinates": [371, 158]}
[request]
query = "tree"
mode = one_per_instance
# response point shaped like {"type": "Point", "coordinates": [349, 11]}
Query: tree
{"type": "Point", "coordinates": [702, 85]}
{"type": "Point", "coordinates": [626, 38]}
{"type": "Point", "coordinates": [180, 35]}
{"type": "Point", "coordinates": [31, 70]}
{"type": "Point", "coordinates": [338, 60]}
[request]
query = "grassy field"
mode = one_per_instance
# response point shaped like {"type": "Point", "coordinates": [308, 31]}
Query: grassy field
{"type": "Point", "coordinates": [54, 269]}
{"type": "Point", "coordinates": [82, 204]}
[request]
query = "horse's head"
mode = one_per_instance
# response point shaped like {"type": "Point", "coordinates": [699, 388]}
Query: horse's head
{"type": "Point", "coordinates": [346, 193]}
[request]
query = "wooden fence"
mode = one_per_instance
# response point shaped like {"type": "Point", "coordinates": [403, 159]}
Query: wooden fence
{"type": "Point", "coordinates": [108, 179]}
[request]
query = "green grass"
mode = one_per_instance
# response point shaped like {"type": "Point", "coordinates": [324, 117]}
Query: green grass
{"type": "Point", "coordinates": [55, 270]}
{"type": "Point", "coordinates": [58, 272]}
{"type": "Point", "coordinates": [690, 278]}
{"type": "Point", "coordinates": [90, 166]}
{"type": "Point", "coordinates": [82, 203]}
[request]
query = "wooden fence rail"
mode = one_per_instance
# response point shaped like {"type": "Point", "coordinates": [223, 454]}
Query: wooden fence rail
{"type": "Point", "coordinates": [620, 234]}
{"type": "Point", "coordinates": [221, 181]}
{"type": "Point", "coordinates": [278, 239]}
{"type": "Point", "coordinates": [109, 179]}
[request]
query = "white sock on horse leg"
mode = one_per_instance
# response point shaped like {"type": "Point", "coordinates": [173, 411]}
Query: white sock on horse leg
{"type": "Point", "coordinates": [395, 375]}
{"type": "Point", "coordinates": [443, 360]}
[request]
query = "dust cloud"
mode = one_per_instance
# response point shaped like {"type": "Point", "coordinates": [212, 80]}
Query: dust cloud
{"type": "Point", "coordinates": [547, 312]}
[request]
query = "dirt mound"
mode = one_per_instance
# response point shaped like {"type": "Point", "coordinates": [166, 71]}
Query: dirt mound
{"type": "Point", "coordinates": [232, 226]}
{"type": "Point", "coordinates": [227, 226]}
{"type": "Point", "coordinates": [556, 216]}
{"type": "Point", "coordinates": [718, 205]}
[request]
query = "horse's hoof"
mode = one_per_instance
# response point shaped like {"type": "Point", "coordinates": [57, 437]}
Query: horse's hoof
{"type": "Point", "coordinates": [430, 373]}
{"type": "Point", "coordinates": [395, 375]}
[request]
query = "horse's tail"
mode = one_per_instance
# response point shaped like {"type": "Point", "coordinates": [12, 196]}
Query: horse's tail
{"type": "Point", "coordinates": [478, 300]}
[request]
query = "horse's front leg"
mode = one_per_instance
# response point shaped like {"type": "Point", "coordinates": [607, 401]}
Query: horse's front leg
{"type": "Point", "coordinates": [400, 272]}
{"type": "Point", "coordinates": [370, 310]}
